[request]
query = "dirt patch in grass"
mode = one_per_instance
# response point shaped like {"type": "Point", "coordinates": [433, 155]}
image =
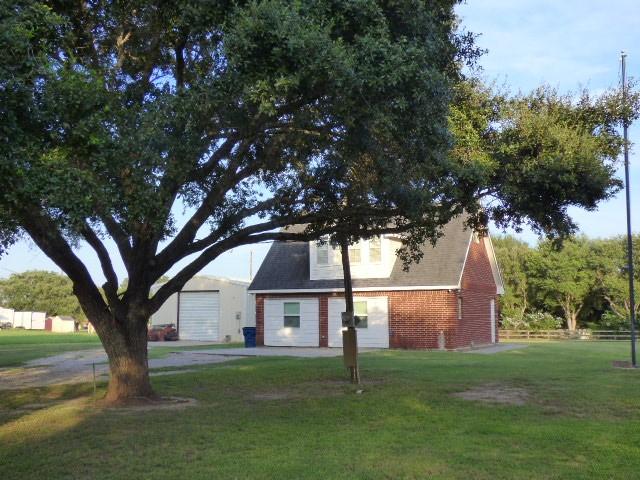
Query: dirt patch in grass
{"type": "Point", "coordinates": [148, 405]}
{"type": "Point", "coordinates": [495, 393]}
{"type": "Point", "coordinates": [622, 364]}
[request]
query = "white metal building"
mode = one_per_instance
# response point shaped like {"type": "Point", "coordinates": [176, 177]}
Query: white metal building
{"type": "Point", "coordinates": [26, 320]}
{"type": "Point", "coordinates": [61, 323]}
{"type": "Point", "coordinates": [209, 308]}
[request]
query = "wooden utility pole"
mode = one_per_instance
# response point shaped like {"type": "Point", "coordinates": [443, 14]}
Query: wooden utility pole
{"type": "Point", "coordinates": [350, 336]}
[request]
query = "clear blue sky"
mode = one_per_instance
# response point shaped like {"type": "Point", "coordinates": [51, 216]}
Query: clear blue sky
{"type": "Point", "coordinates": [567, 44]}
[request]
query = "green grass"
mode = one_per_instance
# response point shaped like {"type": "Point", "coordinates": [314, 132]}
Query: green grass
{"type": "Point", "coordinates": [18, 346]}
{"type": "Point", "coordinates": [279, 418]}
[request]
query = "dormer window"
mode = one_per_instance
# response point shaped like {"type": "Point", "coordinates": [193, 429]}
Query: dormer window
{"type": "Point", "coordinates": [322, 254]}
{"type": "Point", "coordinates": [375, 250]}
{"type": "Point", "coordinates": [354, 253]}
{"type": "Point", "coordinates": [337, 255]}
{"type": "Point", "coordinates": [368, 260]}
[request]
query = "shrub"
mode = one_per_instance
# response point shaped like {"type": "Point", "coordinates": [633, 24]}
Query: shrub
{"type": "Point", "coordinates": [532, 321]}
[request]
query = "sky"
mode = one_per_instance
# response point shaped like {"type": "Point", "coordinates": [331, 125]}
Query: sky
{"type": "Point", "coordinates": [567, 44]}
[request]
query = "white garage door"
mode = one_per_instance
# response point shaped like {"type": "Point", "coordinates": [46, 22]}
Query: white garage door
{"type": "Point", "coordinates": [292, 322]}
{"type": "Point", "coordinates": [376, 332]}
{"type": "Point", "coordinates": [199, 315]}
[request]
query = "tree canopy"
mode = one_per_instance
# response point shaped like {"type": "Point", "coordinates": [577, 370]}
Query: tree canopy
{"type": "Point", "coordinates": [40, 291]}
{"type": "Point", "coordinates": [584, 281]}
{"type": "Point", "coordinates": [350, 117]}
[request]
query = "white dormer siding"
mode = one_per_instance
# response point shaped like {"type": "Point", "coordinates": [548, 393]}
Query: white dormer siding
{"type": "Point", "coordinates": [368, 259]}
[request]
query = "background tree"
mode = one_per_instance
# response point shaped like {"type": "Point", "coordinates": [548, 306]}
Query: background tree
{"type": "Point", "coordinates": [253, 116]}
{"type": "Point", "coordinates": [512, 256]}
{"type": "Point", "coordinates": [612, 274]}
{"type": "Point", "coordinates": [40, 291]}
{"type": "Point", "coordinates": [563, 278]}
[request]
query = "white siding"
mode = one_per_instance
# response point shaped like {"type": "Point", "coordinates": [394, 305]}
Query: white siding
{"type": "Point", "coordinates": [276, 334]}
{"type": "Point", "coordinates": [6, 315]}
{"type": "Point", "coordinates": [199, 316]}
{"type": "Point", "coordinates": [364, 269]}
{"type": "Point", "coordinates": [376, 335]}
{"type": "Point", "coordinates": [29, 320]}
{"type": "Point", "coordinates": [37, 320]}
{"type": "Point", "coordinates": [235, 306]}
{"type": "Point", "coordinates": [60, 325]}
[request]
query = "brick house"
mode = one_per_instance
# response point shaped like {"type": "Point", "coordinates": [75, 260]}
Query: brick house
{"type": "Point", "coordinates": [448, 300]}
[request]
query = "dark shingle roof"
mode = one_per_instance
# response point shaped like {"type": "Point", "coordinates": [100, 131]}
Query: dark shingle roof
{"type": "Point", "coordinates": [286, 266]}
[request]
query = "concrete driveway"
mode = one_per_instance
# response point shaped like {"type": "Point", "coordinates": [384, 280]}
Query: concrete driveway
{"type": "Point", "coordinates": [77, 367]}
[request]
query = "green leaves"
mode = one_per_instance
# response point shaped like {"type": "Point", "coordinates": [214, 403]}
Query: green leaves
{"type": "Point", "coordinates": [535, 155]}
{"type": "Point", "coordinates": [40, 291]}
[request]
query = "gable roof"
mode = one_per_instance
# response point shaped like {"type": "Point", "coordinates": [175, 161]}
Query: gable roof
{"type": "Point", "coordinates": [286, 266]}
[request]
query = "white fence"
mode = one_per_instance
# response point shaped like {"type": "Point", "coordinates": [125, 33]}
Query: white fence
{"type": "Point", "coordinates": [27, 320]}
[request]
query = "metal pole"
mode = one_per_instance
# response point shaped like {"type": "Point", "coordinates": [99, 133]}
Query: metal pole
{"type": "Point", "coordinates": [625, 128]}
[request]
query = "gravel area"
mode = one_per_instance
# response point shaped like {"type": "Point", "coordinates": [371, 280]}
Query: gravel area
{"type": "Point", "coordinates": [77, 367]}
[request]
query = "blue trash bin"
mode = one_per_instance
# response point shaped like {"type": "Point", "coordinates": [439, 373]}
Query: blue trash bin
{"type": "Point", "coordinates": [249, 336]}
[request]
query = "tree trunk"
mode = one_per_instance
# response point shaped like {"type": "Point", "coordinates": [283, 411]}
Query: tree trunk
{"type": "Point", "coordinates": [348, 298]}
{"type": "Point", "coordinates": [128, 362]}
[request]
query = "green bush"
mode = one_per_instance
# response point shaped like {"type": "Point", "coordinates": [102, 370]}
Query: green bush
{"type": "Point", "coordinates": [532, 321]}
{"type": "Point", "coordinates": [611, 321]}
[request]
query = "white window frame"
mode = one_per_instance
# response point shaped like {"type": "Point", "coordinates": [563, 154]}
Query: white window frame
{"type": "Point", "coordinates": [379, 248]}
{"type": "Point", "coordinates": [366, 308]}
{"type": "Point", "coordinates": [356, 246]}
{"type": "Point", "coordinates": [322, 248]}
{"type": "Point", "coordinates": [285, 315]}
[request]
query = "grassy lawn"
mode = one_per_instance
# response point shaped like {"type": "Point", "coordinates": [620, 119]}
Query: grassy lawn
{"type": "Point", "coordinates": [18, 346]}
{"type": "Point", "coordinates": [282, 418]}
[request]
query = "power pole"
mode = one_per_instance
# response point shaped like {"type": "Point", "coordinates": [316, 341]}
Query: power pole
{"type": "Point", "coordinates": [625, 128]}
{"type": "Point", "coordinates": [250, 265]}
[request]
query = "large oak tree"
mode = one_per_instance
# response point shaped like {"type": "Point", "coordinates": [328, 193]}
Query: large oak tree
{"type": "Point", "coordinates": [346, 116]}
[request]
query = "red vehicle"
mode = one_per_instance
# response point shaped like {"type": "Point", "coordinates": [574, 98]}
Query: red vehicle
{"type": "Point", "coordinates": [162, 333]}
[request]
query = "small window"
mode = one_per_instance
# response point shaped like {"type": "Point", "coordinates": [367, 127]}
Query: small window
{"type": "Point", "coordinates": [459, 308]}
{"type": "Point", "coordinates": [337, 255]}
{"type": "Point", "coordinates": [354, 253]}
{"type": "Point", "coordinates": [292, 314]}
{"type": "Point", "coordinates": [375, 250]}
{"type": "Point", "coordinates": [322, 254]}
{"type": "Point", "coordinates": [361, 315]}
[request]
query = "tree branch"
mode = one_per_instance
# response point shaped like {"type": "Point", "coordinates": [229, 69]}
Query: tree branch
{"type": "Point", "coordinates": [111, 286]}
{"type": "Point", "coordinates": [45, 233]}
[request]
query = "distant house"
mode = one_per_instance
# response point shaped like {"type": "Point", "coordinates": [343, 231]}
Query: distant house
{"type": "Point", "coordinates": [208, 308]}
{"type": "Point", "coordinates": [448, 300]}
{"type": "Point", "coordinates": [60, 323]}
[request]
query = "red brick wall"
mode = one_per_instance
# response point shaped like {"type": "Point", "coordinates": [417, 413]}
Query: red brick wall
{"type": "Point", "coordinates": [478, 288]}
{"type": "Point", "coordinates": [259, 320]}
{"type": "Point", "coordinates": [416, 317]}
